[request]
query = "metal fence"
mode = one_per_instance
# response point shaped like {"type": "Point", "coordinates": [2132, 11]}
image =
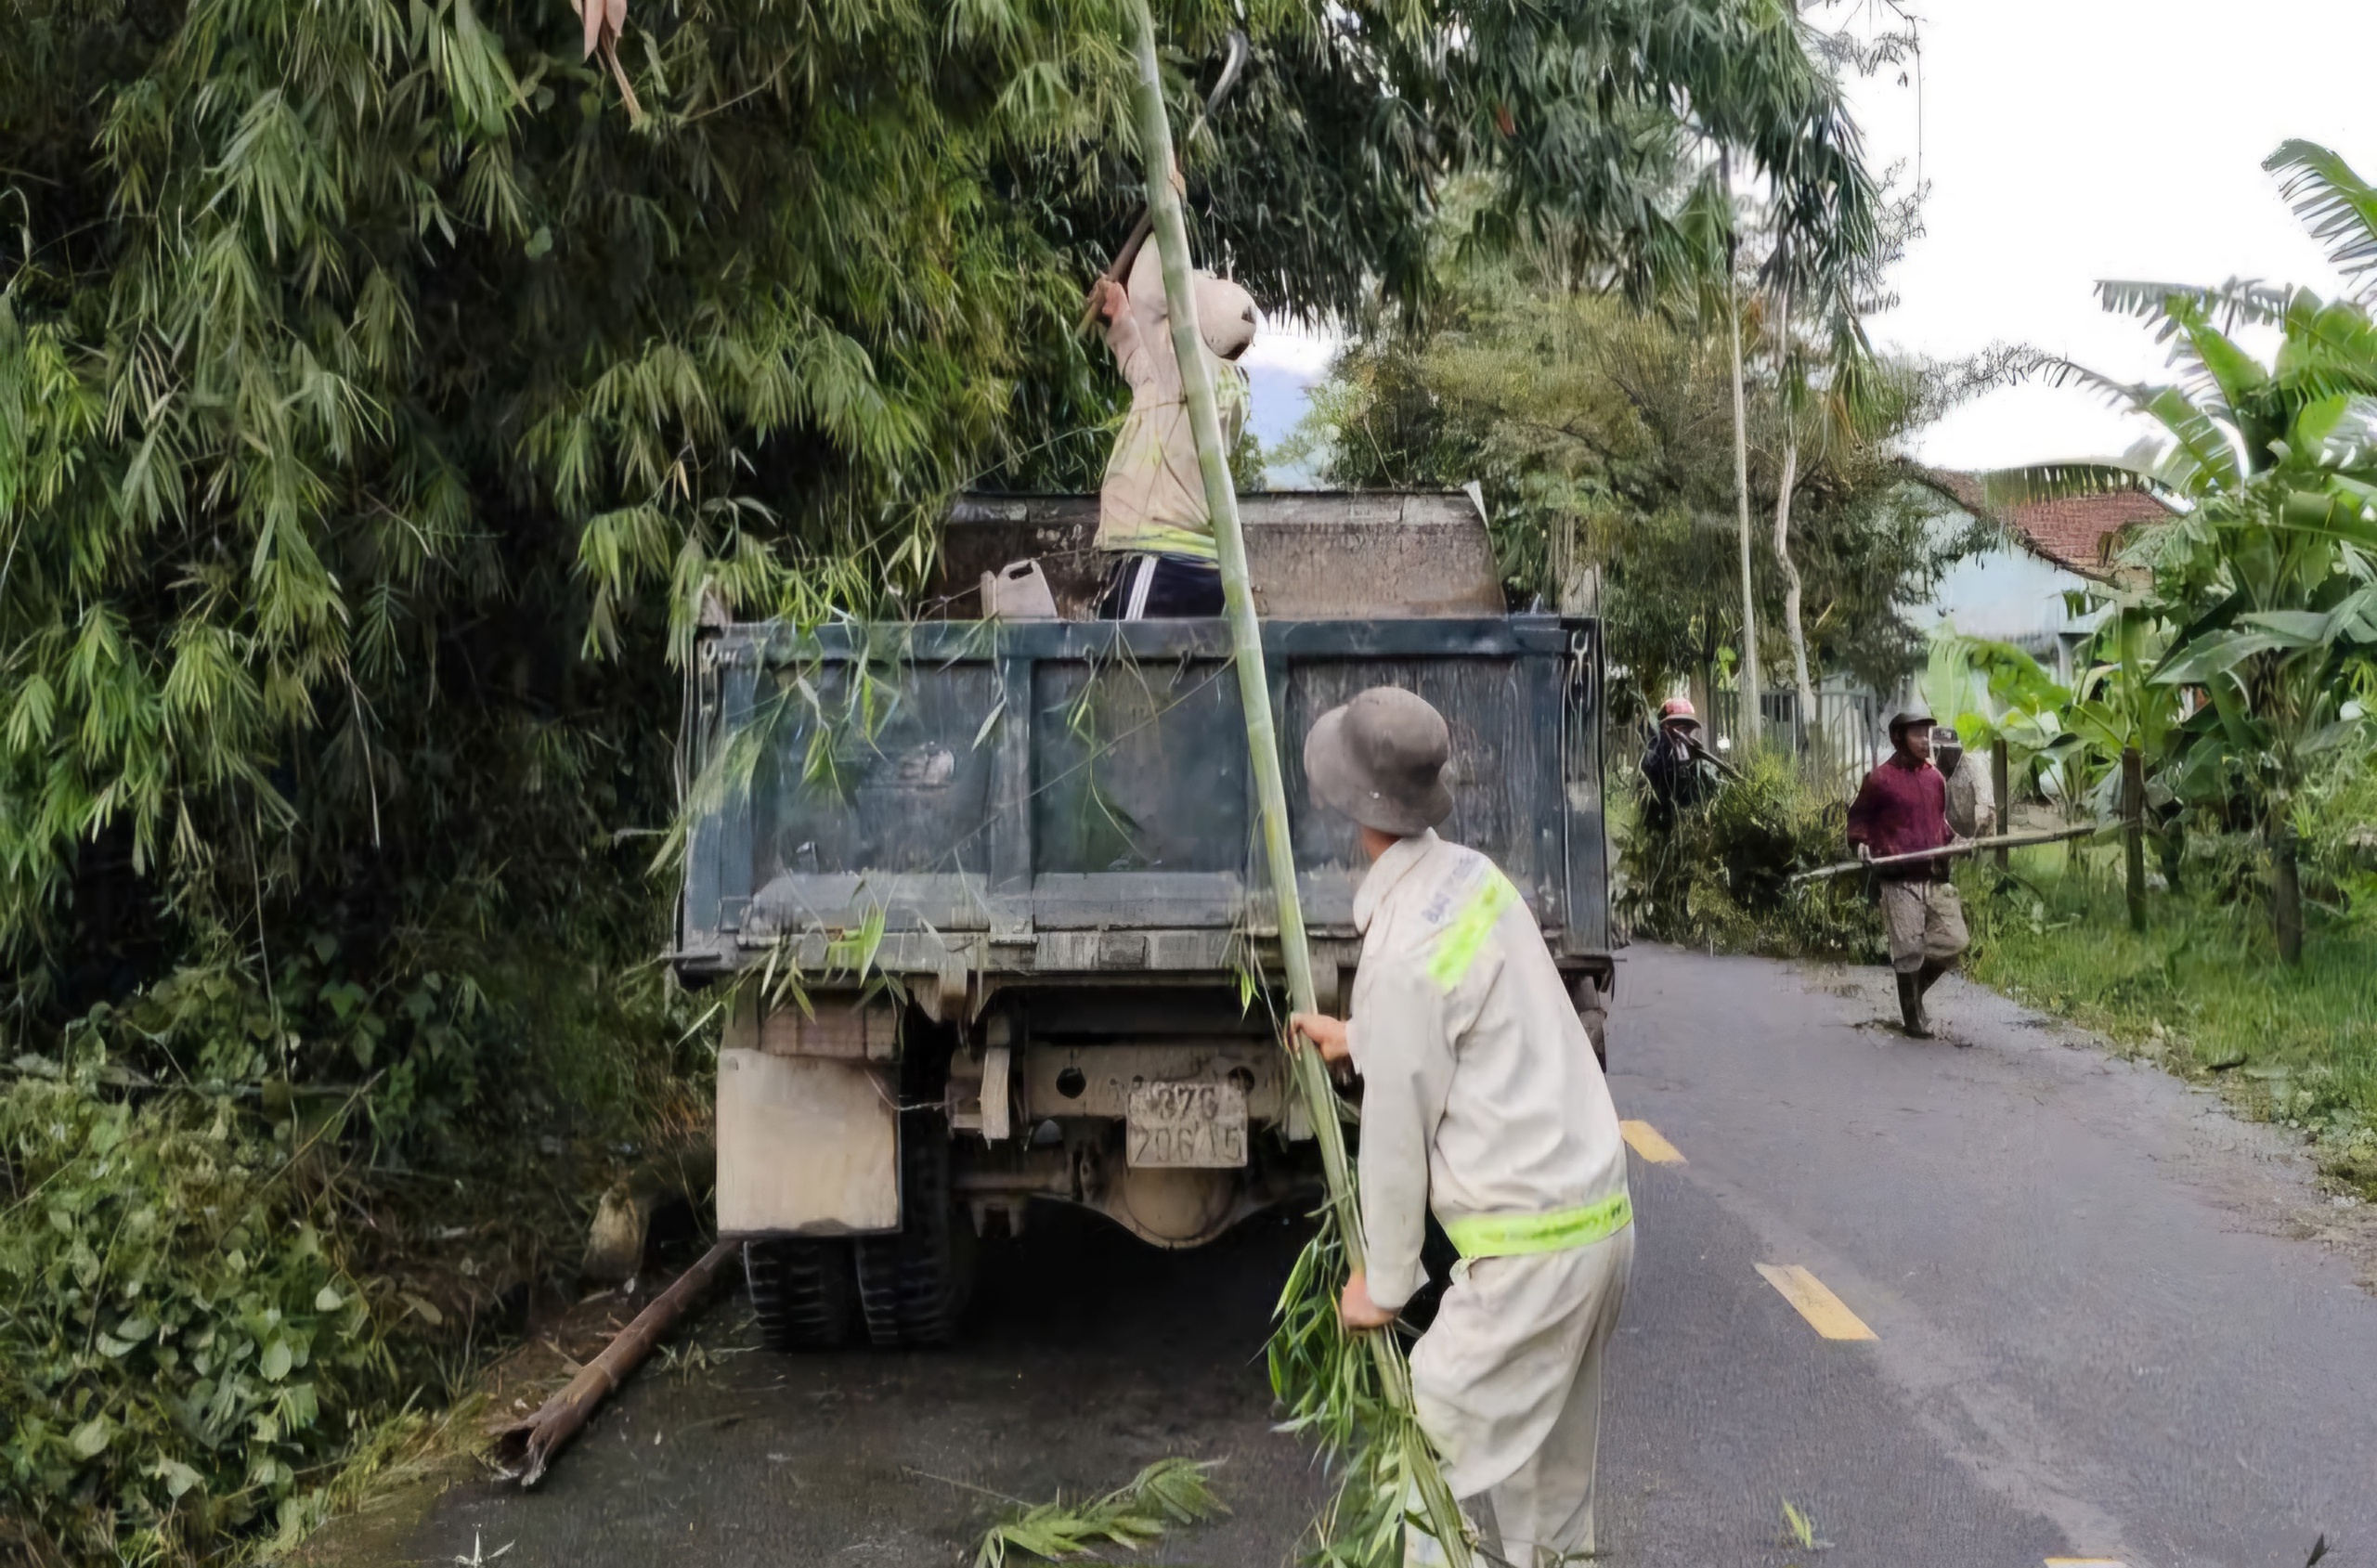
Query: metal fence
{"type": "Point", "coordinates": [1838, 742]}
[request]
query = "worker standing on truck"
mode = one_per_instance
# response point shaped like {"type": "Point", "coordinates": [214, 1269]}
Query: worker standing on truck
{"type": "Point", "coordinates": [1481, 1100]}
{"type": "Point", "coordinates": [1902, 808]}
{"type": "Point", "coordinates": [1152, 524]}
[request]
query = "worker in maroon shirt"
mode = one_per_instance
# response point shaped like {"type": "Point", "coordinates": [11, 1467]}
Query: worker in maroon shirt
{"type": "Point", "coordinates": [1902, 808]}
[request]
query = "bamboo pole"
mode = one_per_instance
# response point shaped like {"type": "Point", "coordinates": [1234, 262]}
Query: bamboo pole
{"type": "Point", "coordinates": [532, 1440]}
{"type": "Point", "coordinates": [1319, 1094]}
{"type": "Point", "coordinates": [2000, 842]}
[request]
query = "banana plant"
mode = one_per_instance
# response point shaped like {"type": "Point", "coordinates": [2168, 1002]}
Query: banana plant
{"type": "Point", "coordinates": [2267, 584]}
{"type": "Point", "coordinates": [1992, 690]}
{"type": "Point", "coordinates": [2118, 702]}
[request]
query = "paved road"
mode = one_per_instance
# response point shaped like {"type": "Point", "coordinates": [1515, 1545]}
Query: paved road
{"type": "Point", "coordinates": [2109, 1322]}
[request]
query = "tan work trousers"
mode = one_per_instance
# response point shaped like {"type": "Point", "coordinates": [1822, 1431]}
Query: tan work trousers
{"type": "Point", "coordinates": [1925, 922]}
{"type": "Point", "coordinates": [1508, 1384]}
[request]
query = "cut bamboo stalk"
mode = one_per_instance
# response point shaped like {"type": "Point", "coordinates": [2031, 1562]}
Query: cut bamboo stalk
{"type": "Point", "coordinates": [532, 1440]}
{"type": "Point", "coordinates": [2000, 842]}
{"type": "Point", "coordinates": [1319, 1096]}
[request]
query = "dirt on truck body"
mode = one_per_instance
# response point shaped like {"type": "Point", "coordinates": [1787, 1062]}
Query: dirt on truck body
{"type": "Point", "coordinates": [995, 898]}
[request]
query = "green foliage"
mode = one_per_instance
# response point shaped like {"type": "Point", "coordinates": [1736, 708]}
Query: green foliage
{"type": "Point", "coordinates": [379, 405]}
{"type": "Point", "coordinates": [1721, 873]}
{"type": "Point", "coordinates": [183, 1345]}
{"type": "Point", "coordinates": [2199, 988]}
{"type": "Point", "coordinates": [1601, 435]}
{"type": "Point", "coordinates": [1168, 1492]}
{"type": "Point", "coordinates": [2264, 595]}
{"type": "Point", "coordinates": [1328, 1381]}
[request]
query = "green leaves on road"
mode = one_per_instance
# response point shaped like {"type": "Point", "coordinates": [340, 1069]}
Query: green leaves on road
{"type": "Point", "coordinates": [1169, 1492]}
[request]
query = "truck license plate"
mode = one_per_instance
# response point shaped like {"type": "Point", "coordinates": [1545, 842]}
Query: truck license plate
{"type": "Point", "coordinates": [1196, 1124]}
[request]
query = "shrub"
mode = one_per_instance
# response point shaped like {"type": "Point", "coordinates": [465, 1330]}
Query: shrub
{"type": "Point", "coordinates": [1722, 876]}
{"type": "Point", "coordinates": [182, 1346]}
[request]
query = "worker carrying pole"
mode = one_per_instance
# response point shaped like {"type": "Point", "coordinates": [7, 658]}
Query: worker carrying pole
{"type": "Point", "coordinates": [1481, 1100]}
{"type": "Point", "coordinates": [1902, 808]}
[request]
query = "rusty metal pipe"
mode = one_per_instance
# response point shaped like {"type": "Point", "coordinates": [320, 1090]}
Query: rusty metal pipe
{"type": "Point", "coordinates": [532, 1440]}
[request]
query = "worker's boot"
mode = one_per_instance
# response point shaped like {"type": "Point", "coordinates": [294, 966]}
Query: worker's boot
{"type": "Point", "coordinates": [1928, 976]}
{"type": "Point", "coordinates": [1910, 1006]}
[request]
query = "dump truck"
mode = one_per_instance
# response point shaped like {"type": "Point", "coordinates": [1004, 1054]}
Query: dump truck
{"type": "Point", "coordinates": [990, 905]}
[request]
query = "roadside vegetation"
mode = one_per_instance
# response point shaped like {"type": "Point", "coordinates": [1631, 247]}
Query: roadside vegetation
{"type": "Point", "coordinates": [1722, 876]}
{"type": "Point", "coordinates": [2238, 662]}
{"type": "Point", "coordinates": [2201, 991]}
{"type": "Point", "coordinates": [2223, 713]}
{"type": "Point", "coordinates": [385, 392]}
{"type": "Point", "coordinates": [1600, 432]}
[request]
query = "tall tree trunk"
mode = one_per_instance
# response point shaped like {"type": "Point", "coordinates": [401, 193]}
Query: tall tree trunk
{"type": "Point", "coordinates": [2285, 890]}
{"type": "Point", "coordinates": [2133, 834]}
{"type": "Point", "coordinates": [1749, 684]}
{"type": "Point", "coordinates": [1783, 487]}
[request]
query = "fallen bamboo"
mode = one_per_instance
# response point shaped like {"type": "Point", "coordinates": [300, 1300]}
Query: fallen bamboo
{"type": "Point", "coordinates": [1962, 846]}
{"type": "Point", "coordinates": [1318, 1092]}
{"type": "Point", "coordinates": [531, 1442]}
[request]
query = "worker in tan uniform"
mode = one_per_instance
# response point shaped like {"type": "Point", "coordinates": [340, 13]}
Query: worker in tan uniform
{"type": "Point", "coordinates": [1153, 530]}
{"type": "Point", "coordinates": [1481, 1100]}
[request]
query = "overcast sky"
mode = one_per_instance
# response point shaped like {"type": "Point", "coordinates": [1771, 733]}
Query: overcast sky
{"type": "Point", "coordinates": [2064, 141]}
{"type": "Point", "coordinates": [2068, 140]}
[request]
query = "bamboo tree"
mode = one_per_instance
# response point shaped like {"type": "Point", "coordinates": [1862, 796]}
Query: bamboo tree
{"type": "Point", "coordinates": [1261, 736]}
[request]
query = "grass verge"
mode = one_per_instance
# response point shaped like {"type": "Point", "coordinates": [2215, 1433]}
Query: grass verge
{"type": "Point", "coordinates": [2200, 992]}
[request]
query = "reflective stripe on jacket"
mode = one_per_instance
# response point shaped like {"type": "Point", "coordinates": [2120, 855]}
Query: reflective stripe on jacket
{"type": "Point", "coordinates": [1480, 1095]}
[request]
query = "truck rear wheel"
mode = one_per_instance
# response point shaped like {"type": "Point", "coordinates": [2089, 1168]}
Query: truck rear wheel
{"type": "Point", "coordinates": [913, 1287]}
{"type": "Point", "coordinates": [802, 1292]}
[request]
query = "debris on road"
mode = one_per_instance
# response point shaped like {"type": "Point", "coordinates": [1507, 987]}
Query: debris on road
{"type": "Point", "coordinates": [531, 1442]}
{"type": "Point", "coordinates": [1169, 1492]}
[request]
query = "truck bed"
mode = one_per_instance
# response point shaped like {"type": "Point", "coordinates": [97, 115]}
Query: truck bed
{"type": "Point", "coordinates": [1069, 802]}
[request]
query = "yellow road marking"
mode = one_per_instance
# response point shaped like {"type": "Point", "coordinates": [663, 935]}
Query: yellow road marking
{"type": "Point", "coordinates": [1824, 1312]}
{"type": "Point", "coordinates": [1646, 1142]}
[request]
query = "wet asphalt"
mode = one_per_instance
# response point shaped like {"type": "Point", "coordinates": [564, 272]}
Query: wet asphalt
{"type": "Point", "coordinates": [2110, 1322]}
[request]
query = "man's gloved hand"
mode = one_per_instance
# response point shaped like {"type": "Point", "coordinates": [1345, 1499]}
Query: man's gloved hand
{"type": "Point", "coordinates": [1864, 851]}
{"type": "Point", "coordinates": [1327, 1035]}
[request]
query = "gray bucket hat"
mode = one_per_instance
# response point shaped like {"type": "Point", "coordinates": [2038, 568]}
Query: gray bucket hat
{"type": "Point", "coordinates": [1906, 719]}
{"type": "Point", "coordinates": [1380, 759]}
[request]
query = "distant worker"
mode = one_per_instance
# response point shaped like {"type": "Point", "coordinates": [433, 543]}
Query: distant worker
{"type": "Point", "coordinates": [1972, 803]}
{"type": "Point", "coordinates": [1481, 1100]}
{"type": "Point", "coordinates": [1153, 529]}
{"type": "Point", "coordinates": [1678, 768]}
{"type": "Point", "coordinates": [1902, 808]}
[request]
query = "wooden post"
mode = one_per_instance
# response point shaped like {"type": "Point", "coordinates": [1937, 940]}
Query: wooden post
{"type": "Point", "coordinates": [1998, 770]}
{"type": "Point", "coordinates": [2133, 830]}
{"type": "Point", "coordinates": [1262, 736]}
